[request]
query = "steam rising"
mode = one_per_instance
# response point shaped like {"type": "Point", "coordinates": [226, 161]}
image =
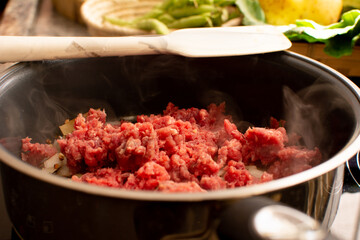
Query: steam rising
{"type": "Point", "coordinates": [307, 113]}
{"type": "Point", "coordinates": [302, 118]}
{"type": "Point", "coordinates": [137, 87]}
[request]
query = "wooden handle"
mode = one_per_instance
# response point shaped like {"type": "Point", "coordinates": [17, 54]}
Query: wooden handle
{"type": "Point", "coordinates": [15, 48]}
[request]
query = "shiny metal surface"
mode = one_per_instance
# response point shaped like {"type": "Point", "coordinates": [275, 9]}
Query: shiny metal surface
{"type": "Point", "coordinates": [29, 193]}
{"type": "Point", "coordinates": [349, 91]}
{"type": "Point", "coordinates": [280, 222]}
{"type": "Point", "coordinates": [353, 166]}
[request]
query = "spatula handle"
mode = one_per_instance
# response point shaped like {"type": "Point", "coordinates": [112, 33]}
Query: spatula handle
{"type": "Point", "coordinates": [32, 48]}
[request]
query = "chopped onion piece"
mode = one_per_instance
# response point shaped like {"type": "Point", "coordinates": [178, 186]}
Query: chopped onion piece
{"type": "Point", "coordinates": [254, 171]}
{"type": "Point", "coordinates": [57, 164]}
{"type": "Point", "coordinates": [64, 171]}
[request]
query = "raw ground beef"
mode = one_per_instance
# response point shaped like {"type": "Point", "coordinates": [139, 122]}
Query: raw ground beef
{"type": "Point", "coordinates": [35, 153]}
{"type": "Point", "coordinates": [181, 150]}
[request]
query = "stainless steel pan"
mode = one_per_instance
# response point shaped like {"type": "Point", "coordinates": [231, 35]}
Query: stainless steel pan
{"type": "Point", "coordinates": [36, 97]}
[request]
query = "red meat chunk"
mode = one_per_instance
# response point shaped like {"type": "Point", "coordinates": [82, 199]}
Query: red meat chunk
{"type": "Point", "coordinates": [35, 153]}
{"type": "Point", "coordinates": [212, 182]}
{"type": "Point", "coordinates": [103, 177]}
{"type": "Point", "coordinates": [181, 150]}
{"type": "Point", "coordinates": [170, 186]}
{"type": "Point", "coordinates": [236, 175]}
{"type": "Point", "coordinates": [263, 144]}
{"type": "Point", "coordinates": [294, 160]}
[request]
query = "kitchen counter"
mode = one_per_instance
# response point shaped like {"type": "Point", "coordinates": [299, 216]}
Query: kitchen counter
{"type": "Point", "coordinates": [37, 17]}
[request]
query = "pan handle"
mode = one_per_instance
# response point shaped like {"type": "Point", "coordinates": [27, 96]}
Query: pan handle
{"type": "Point", "coordinates": [352, 175]}
{"type": "Point", "coordinates": [260, 218]}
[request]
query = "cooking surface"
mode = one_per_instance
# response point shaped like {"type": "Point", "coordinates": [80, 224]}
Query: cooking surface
{"type": "Point", "coordinates": [49, 23]}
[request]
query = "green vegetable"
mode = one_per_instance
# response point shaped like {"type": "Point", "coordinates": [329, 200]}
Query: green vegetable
{"type": "Point", "coordinates": [194, 13]}
{"type": "Point", "coordinates": [166, 18]}
{"type": "Point", "coordinates": [192, 21]}
{"type": "Point", "coordinates": [220, 16]}
{"type": "Point", "coordinates": [177, 4]}
{"type": "Point", "coordinates": [252, 11]}
{"type": "Point", "coordinates": [153, 24]}
{"type": "Point", "coordinates": [223, 3]}
{"type": "Point", "coordinates": [146, 24]}
{"type": "Point", "coordinates": [118, 21]}
{"type": "Point", "coordinates": [154, 13]}
{"type": "Point", "coordinates": [191, 10]}
{"type": "Point", "coordinates": [339, 38]}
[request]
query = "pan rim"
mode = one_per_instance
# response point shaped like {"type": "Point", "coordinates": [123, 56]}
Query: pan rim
{"type": "Point", "coordinates": [348, 151]}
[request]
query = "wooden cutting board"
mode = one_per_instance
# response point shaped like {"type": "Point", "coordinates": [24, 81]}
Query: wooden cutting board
{"type": "Point", "coordinates": [347, 65]}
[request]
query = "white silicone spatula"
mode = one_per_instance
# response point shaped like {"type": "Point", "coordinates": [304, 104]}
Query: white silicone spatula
{"type": "Point", "coordinates": [196, 42]}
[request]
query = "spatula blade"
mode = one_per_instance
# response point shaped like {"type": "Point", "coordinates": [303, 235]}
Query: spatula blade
{"type": "Point", "coordinates": [226, 41]}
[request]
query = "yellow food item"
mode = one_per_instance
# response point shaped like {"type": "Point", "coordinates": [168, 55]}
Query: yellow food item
{"type": "Point", "coordinates": [283, 12]}
{"type": "Point", "coordinates": [352, 3]}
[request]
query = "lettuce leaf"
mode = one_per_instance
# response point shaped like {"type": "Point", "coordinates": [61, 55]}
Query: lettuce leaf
{"type": "Point", "coordinates": [339, 38]}
{"type": "Point", "coordinates": [252, 11]}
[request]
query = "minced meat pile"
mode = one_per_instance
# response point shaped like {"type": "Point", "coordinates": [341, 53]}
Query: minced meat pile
{"type": "Point", "coordinates": [181, 150]}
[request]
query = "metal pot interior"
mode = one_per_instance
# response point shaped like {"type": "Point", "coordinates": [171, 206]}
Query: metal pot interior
{"type": "Point", "coordinates": [36, 97]}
